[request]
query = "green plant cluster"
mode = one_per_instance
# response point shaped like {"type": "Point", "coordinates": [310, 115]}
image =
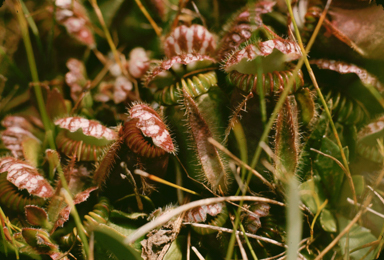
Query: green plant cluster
{"type": "Point", "coordinates": [155, 129]}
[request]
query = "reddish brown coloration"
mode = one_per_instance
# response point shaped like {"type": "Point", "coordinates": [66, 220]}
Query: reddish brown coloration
{"type": "Point", "coordinates": [185, 40]}
{"type": "Point", "coordinates": [145, 122]}
{"type": "Point", "coordinates": [24, 176]}
{"type": "Point", "coordinates": [251, 219]}
{"type": "Point", "coordinates": [13, 138]}
{"type": "Point", "coordinates": [363, 27]}
{"type": "Point", "coordinates": [160, 8]}
{"type": "Point", "coordinates": [373, 129]}
{"type": "Point", "coordinates": [199, 214]}
{"type": "Point", "coordinates": [40, 241]}
{"type": "Point", "coordinates": [65, 211]}
{"type": "Point", "coordinates": [268, 81]}
{"type": "Point", "coordinates": [17, 121]}
{"type": "Point", "coordinates": [135, 140]}
{"type": "Point", "coordinates": [35, 215]}
{"type": "Point", "coordinates": [184, 59]}
{"type": "Point", "coordinates": [289, 48]}
{"type": "Point", "coordinates": [240, 29]}
{"type": "Point", "coordinates": [287, 138]}
{"type": "Point", "coordinates": [122, 88]}
{"type": "Point", "coordinates": [11, 197]}
{"type": "Point", "coordinates": [106, 164]}
{"type": "Point", "coordinates": [55, 105]}
{"type": "Point", "coordinates": [88, 127]}
{"type": "Point", "coordinates": [118, 91]}
{"type": "Point", "coordinates": [152, 126]}
{"type": "Point", "coordinates": [345, 68]}
{"type": "Point", "coordinates": [75, 20]}
{"type": "Point", "coordinates": [75, 78]}
{"type": "Point", "coordinates": [89, 143]}
{"type": "Point", "coordinates": [212, 164]}
{"type": "Point", "coordinates": [138, 62]}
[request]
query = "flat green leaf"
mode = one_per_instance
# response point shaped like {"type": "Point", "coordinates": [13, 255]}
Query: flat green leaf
{"type": "Point", "coordinates": [358, 236]}
{"type": "Point", "coordinates": [331, 174]}
{"type": "Point", "coordinates": [311, 194]}
{"type": "Point", "coordinates": [346, 192]}
{"type": "Point", "coordinates": [306, 105]}
{"type": "Point", "coordinates": [108, 238]}
{"type": "Point", "coordinates": [177, 249]}
{"type": "Point", "coordinates": [31, 150]}
{"type": "Point", "coordinates": [328, 221]}
{"type": "Point", "coordinates": [53, 159]}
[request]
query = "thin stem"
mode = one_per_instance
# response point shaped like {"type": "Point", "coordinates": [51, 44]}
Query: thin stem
{"type": "Point", "coordinates": [75, 214]}
{"type": "Point", "coordinates": [314, 81]}
{"type": "Point", "coordinates": [160, 180]}
{"type": "Point", "coordinates": [248, 243]}
{"type": "Point", "coordinates": [179, 210]}
{"type": "Point", "coordinates": [107, 35]}
{"type": "Point", "coordinates": [276, 111]}
{"type": "Point", "coordinates": [32, 64]}
{"type": "Point", "coordinates": [151, 21]}
{"type": "Point", "coordinates": [228, 230]}
{"type": "Point", "coordinates": [240, 162]}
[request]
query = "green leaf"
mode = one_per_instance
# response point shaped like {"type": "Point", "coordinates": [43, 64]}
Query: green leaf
{"type": "Point", "coordinates": [31, 150]}
{"type": "Point", "coordinates": [358, 236]}
{"type": "Point", "coordinates": [177, 249]}
{"type": "Point", "coordinates": [39, 240]}
{"type": "Point", "coordinates": [55, 106]}
{"type": "Point", "coordinates": [346, 192]}
{"type": "Point", "coordinates": [133, 216]}
{"type": "Point", "coordinates": [306, 105]}
{"type": "Point", "coordinates": [314, 141]}
{"type": "Point", "coordinates": [331, 174]}
{"type": "Point", "coordinates": [109, 239]}
{"type": "Point", "coordinates": [37, 216]}
{"type": "Point", "coordinates": [53, 159]}
{"type": "Point", "coordinates": [312, 194]}
{"type": "Point", "coordinates": [328, 221]}
{"type": "Point", "coordinates": [287, 138]}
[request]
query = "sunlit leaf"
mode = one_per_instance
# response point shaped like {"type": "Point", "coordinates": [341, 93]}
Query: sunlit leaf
{"type": "Point", "coordinates": [111, 240]}
{"type": "Point", "coordinates": [177, 249]}
{"type": "Point", "coordinates": [31, 150]}
{"type": "Point", "coordinates": [328, 221]}
{"type": "Point", "coordinates": [358, 236]}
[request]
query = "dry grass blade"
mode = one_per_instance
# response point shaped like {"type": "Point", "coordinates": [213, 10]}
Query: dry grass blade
{"type": "Point", "coordinates": [274, 257]}
{"type": "Point", "coordinates": [236, 115]}
{"type": "Point", "coordinates": [197, 253]}
{"type": "Point", "coordinates": [166, 217]}
{"type": "Point", "coordinates": [316, 85]}
{"type": "Point", "coordinates": [155, 178]}
{"type": "Point", "coordinates": [377, 194]}
{"type": "Point", "coordinates": [240, 163]}
{"type": "Point", "coordinates": [332, 158]}
{"type": "Point", "coordinates": [151, 21]}
{"type": "Point", "coordinates": [108, 35]}
{"type": "Point", "coordinates": [228, 230]}
{"type": "Point", "coordinates": [241, 247]}
{"type": "Point", "coordinates": [350, 201]}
